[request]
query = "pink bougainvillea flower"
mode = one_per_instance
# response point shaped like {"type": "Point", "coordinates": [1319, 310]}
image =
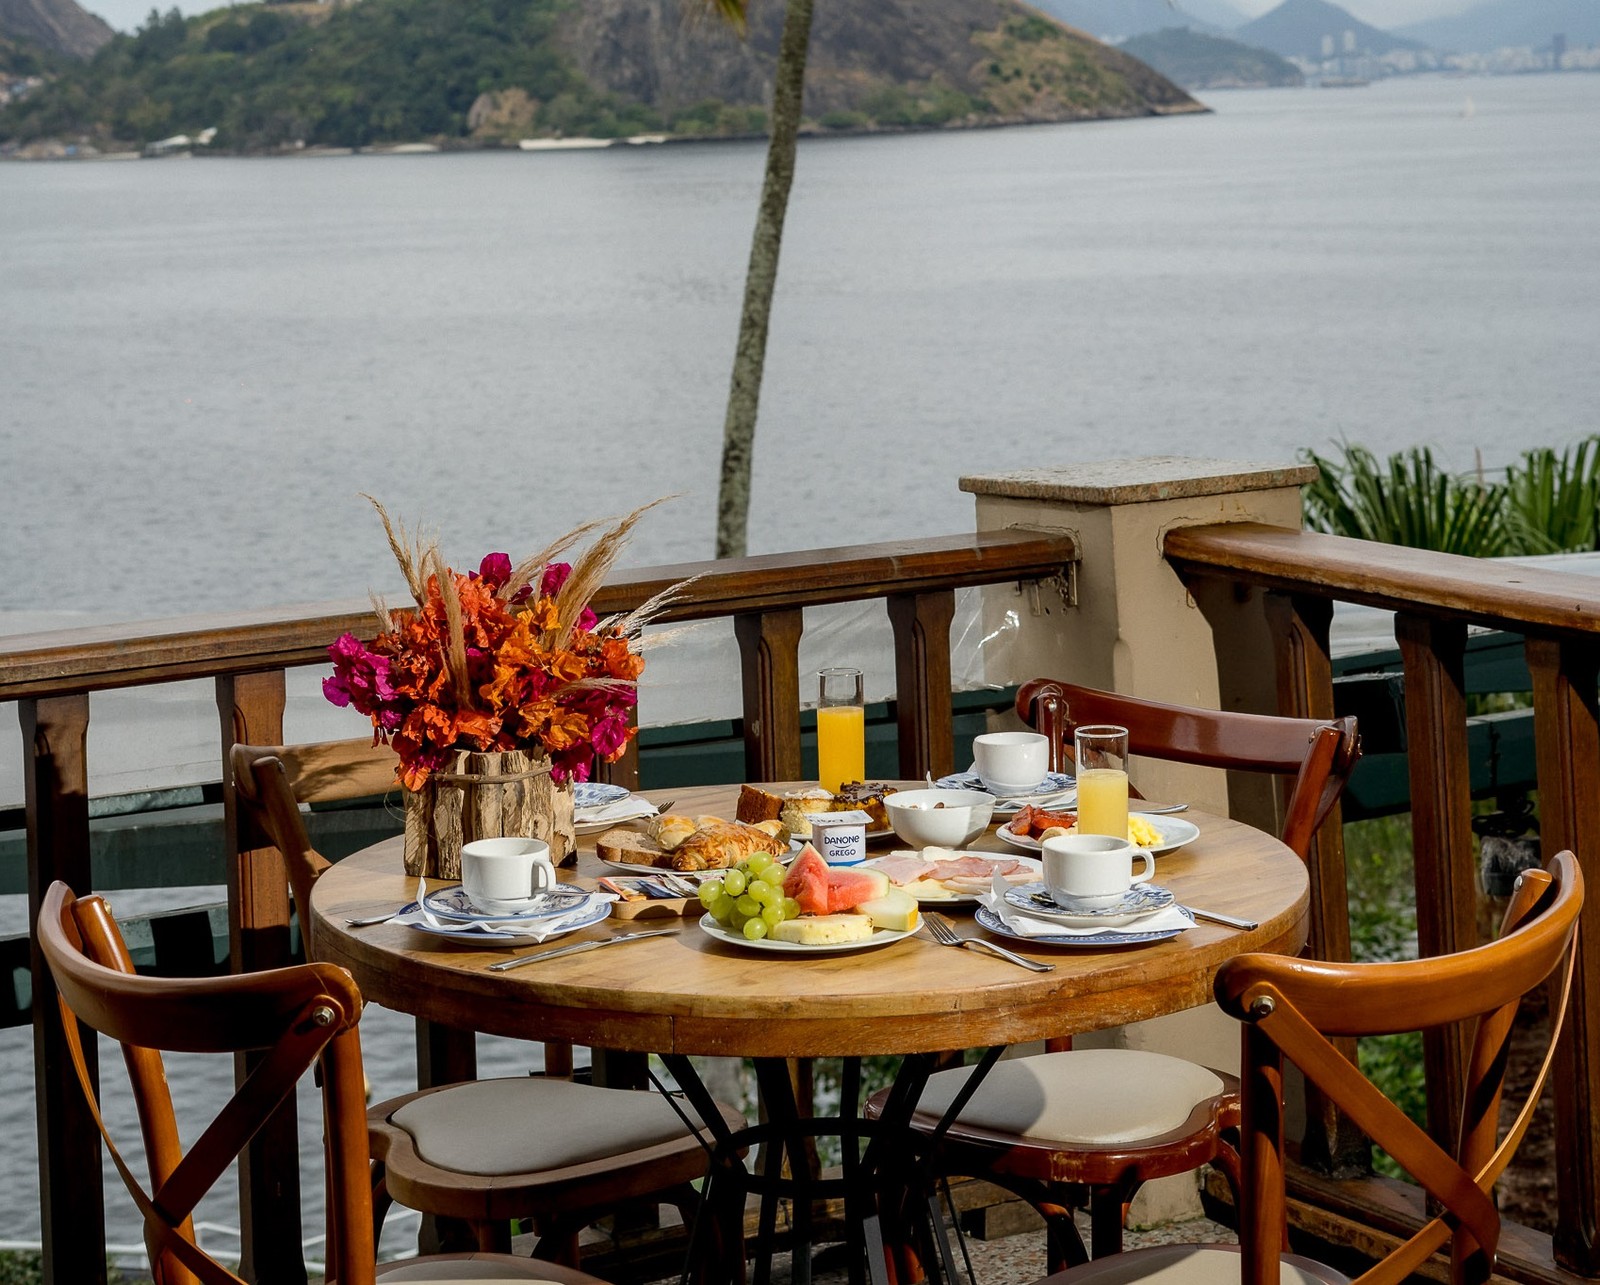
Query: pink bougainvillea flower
{"type": "Point", "coordinates": [609, 736]}
{"type": "Point", "coordinates": [555, 575]}
{"type": "Point", "coordinates": [495, 569]}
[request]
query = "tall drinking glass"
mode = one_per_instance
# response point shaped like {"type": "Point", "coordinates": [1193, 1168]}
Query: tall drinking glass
{"type": "Point", "coordinates": [1102, 754]}
{"type": "Point", "coordinates": [841, 728]}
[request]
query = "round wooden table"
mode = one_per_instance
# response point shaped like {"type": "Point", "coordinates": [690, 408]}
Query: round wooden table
{"type": "Point", "coordinates": [689, 994]}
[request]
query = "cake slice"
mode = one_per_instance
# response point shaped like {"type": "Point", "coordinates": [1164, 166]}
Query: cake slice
{"type": "Point", "coordinates": [866, 796]}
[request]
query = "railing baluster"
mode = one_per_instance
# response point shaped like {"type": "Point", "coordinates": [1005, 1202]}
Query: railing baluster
{"type": "Point", "coordinates": [1433, 652]}
{"type": "Point", "coordinates": [1332, 1142]}
{"type": "Point", "coordinates": [250, 710]}
{"type": "Point", "coordinates": [921, 624]}
{"type": "Point", "coordinates": [1567, 731]}
{"type": "Point", "coordinates": [71, 1199]}
{"type": "Point", "coordinates": [769, 652]}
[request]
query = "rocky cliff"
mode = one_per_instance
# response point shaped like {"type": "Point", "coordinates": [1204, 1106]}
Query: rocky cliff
{"type": "Point", "coordinates": [60, 25]}
{"type": "Point", "coordinates": [1016, 63]}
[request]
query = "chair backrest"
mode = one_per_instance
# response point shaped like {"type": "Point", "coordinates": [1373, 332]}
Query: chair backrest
{"type": "Point", "coordinates": [293, 1017]}
{"type": "Point", "coordinates": [271, 781]}
{"type": "Point", "coordinates": [1319, 755]}
{"type": "Point", "coordinates": [1290, 1007]}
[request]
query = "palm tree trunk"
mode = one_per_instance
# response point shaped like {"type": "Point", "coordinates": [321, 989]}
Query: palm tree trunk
{"type": "Point", "coordinates": [761, 278]}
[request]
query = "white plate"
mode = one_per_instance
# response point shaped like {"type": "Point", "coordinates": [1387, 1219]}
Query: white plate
{"type": "Point", "coordinates": [472, 935]}
{"type": "Point", "coordinates": [1035, 870]}
{"type": "Point", "coordinates": [1175, 832]}
{"type": "Point", "coordinates": [880, 937]}
{"type": "Point", "coordinates": [992, 922]}
{"type": "Point", "coordinates": [452, 903]}
{"type": "Point", "coordinates": [1139, 901]}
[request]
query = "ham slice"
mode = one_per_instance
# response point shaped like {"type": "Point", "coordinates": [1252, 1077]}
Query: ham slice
{"type": "Point", "coordinates": [971, 867]}
{"type": "Point", "coordinates": [903, 869]}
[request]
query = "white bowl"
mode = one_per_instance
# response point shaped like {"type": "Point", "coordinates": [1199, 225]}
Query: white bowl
{"type": "Point", "coordinates": [939, 818]}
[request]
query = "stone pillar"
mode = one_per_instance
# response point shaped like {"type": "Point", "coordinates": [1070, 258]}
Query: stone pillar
{"type": "Point", "coordinates": [1126, 623]}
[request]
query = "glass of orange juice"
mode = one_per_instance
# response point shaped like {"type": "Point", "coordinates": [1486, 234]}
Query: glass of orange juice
{"type": "Point", "coordinates": [841, 728]}
{"type": "Point", "coordinates": [1102, 754]}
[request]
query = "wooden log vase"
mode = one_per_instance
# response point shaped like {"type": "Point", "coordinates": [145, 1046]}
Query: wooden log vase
{"type": "Point", "coordinates": [485, 796]}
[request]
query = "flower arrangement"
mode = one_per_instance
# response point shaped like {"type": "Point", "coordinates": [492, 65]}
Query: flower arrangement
{"type": "Point", "coordinates": [502, 658]}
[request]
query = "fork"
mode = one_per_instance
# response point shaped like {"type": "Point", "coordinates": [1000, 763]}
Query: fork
{"type": "Point", "coordinates": [945, 934]}
{"type": "Point", "coordinates": [372, 919]}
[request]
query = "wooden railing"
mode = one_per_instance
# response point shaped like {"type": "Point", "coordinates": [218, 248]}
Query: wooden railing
{"type": "Point", "coordinates": [1435, 598]}
{"type": "Point", "coordinates": [53, 676]}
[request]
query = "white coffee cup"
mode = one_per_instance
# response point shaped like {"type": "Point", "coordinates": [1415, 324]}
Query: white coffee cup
{"type": "Point", "coordinates": [1011, 762]}
{"type": "Point", "coordinates": [1091, 871]}
{"type": "Point", "coordinates": [506, 876]}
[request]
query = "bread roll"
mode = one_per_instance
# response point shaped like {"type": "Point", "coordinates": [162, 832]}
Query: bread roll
{"type": "Point", "coordinates": [669, 831]}
{"type": "Point", "coordinates": [724, 844]}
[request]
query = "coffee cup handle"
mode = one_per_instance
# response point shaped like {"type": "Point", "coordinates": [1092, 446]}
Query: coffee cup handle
{"type": "Point", "coordinates": [544, 877]}
{"type": "Point", "coordinates": [1145, 875]}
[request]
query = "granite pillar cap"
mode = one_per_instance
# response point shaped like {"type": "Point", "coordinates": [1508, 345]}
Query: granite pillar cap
{"type": "Point", "coordinates": [1139, 481]}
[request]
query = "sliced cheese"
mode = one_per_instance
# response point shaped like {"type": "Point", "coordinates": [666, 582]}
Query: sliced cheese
{"type": "Point", "coordinates": [824, 930]}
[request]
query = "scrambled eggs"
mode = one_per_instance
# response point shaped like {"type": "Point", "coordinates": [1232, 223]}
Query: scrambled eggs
{"type": "Point", "coordinates": [1143, 833]}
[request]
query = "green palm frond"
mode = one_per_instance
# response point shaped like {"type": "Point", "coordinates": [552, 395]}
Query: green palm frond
{"type": "Point", "coordinates": [1554, 500]}
{"type": "Point", "coordinates": [1407, 500]}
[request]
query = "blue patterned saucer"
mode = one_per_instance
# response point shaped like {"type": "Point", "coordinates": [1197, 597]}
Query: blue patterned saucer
{"type": "Point", "coordinates": [987, 919]}
{"type": "Point", "coordinates": [1140, 900]}
{"type": "Point", "coordinates": [454, 904]}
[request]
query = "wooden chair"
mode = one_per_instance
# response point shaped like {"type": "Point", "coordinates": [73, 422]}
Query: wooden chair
{"type": "Point", "coordinates": [488, 1151]}
{"type": "Point", "coordinates": [1319, 755]}
{"type": "Point", "coordinates": [1289, 1008]}
{"type": "Point", "coordinates": [1069, 1127]}
{"type": "Point", "coordinates": [297, 1018]}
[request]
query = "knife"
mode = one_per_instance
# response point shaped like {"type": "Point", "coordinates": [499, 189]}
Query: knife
{"type": "Point", "coordinates": [1217, 917]}
{"type": "Point", "coordinates": [575, 948]}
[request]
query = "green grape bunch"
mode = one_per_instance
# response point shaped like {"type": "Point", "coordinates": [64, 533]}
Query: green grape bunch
{"type": "Point", "coordinates": [749, 898]}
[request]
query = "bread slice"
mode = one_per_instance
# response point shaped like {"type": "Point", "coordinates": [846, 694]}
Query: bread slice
{"type": "Point", "coordinates": [631, 848]}
{"type": "Point", "coordinates": [824, 930]}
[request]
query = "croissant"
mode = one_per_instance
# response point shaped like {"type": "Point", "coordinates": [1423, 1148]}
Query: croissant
{"type": "Point", "coordinates": [723, 844]}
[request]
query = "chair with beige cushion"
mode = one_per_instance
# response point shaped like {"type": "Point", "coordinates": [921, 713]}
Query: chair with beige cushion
{"type": "Point", "coordinates": [1062, 1127]}
{"type": "Point", "coordinates": [1288, 1008]}
{"type": "Point", "coordinates": [561, 1154]}
{"type": "Point", "coordinates": [296, 1018]}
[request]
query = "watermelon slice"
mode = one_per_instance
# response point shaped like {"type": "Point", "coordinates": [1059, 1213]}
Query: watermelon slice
{"type": "Point", "coordinates": [847, 889]}
{"type": "Point", "coordinates": [807, 882]}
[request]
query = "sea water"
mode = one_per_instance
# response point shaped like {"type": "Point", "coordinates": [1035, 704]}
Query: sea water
{"type": "Point", "coordinates": [203, 362]}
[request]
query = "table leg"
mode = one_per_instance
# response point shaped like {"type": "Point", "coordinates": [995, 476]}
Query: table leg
{"type": "Point", "coordinates": [445, 1055]}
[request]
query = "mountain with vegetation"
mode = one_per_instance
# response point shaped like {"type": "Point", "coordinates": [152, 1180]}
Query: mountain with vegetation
{"type": "Point", "coordinates": [1513, 24]}
{"type": "Point", "coordinates": [1198, 61]}
{"type": "Point", "coordinates": [1297, 29]}
{"type": "Point", "coordinates": [487, 72]}
{"type": "Point", "coordinates": [57, 26]}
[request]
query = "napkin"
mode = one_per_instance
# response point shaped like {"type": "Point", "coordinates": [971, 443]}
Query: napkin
{"type": "Point", "coordinates": [1164, 920]}
{"type": "Point", "coordinates": [629, 809]}
{"type": "Point", "coordinates": [537, 930]}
